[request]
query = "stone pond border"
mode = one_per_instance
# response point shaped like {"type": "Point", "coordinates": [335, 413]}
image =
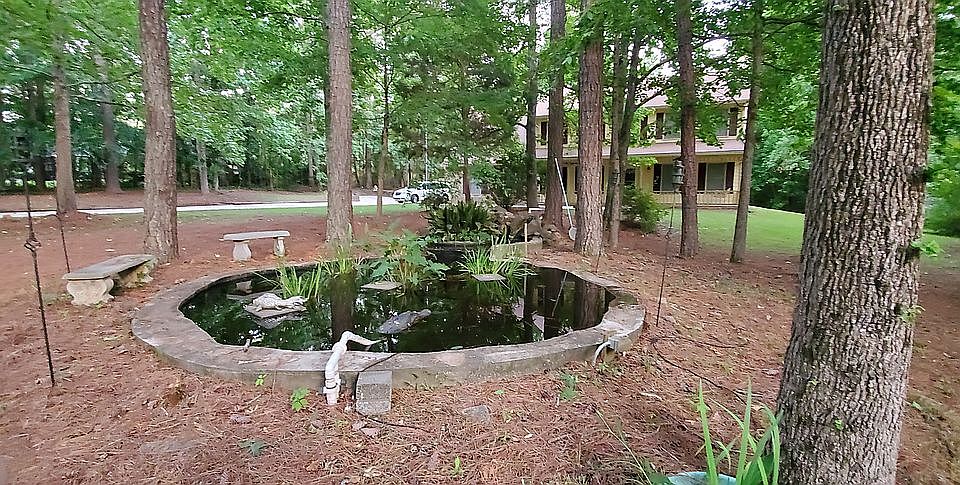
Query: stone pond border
{"type": "Point", "coordinates": [179, 341]}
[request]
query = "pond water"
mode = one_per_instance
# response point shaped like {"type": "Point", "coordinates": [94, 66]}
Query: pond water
{"type": "Point", "coordinates": [465, 313]}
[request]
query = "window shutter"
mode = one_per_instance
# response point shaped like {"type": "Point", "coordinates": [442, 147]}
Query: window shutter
{"type": "Point", "coordinates": [731, 166]}
{"type": "Point", "coordinates": [701, 176]}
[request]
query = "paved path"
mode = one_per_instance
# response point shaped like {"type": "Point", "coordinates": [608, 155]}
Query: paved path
{"type": "Point", "coordinates": [365, 200]}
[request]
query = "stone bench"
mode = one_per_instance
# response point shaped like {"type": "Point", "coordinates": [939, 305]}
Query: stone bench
{"type": "Point", "coordinates": [241, 250]}
{"type": "Point", "coordinates": [91, 285]}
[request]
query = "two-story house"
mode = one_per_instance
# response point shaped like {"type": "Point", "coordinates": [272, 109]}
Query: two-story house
{"type": "Point", "coordinates": [718, 165]}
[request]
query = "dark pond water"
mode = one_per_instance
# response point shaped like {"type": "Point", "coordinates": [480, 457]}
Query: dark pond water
{"type": "Point", "coordinates": [465, 313]}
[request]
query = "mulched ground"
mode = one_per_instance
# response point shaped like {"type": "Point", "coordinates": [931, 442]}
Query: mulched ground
{"type": "Point", "coordinates": [118, 415]}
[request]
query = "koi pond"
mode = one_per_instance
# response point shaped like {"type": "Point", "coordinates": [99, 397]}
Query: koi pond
{"type": "Point", "coordinates": [463, 312]}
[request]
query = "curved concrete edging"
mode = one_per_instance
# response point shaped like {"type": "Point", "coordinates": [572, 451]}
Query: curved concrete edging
{"type": "Point", "coordinates": [178, 340]}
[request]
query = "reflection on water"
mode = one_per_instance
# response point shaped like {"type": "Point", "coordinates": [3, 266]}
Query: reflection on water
{"type": "Point", "coordinates": [465, 313]}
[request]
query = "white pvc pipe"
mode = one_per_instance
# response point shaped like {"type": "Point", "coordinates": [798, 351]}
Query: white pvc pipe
{"type": "Point", "coordinates": [331, 372]}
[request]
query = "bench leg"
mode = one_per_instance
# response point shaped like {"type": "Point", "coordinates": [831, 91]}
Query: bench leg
{"type": "Point", "coordinates": [278, 248]}
{"type": "Point", "coordinates": [90, 292]}
{"type": "Point", "coordinates": [241, 251]}
{"type": "Point", "coordinates": [137, 276]}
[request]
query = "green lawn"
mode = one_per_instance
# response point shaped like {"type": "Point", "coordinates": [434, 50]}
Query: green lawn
{"type": "Point", "coordinates": [777, 231]}
{"type": "Point", "coordinates": [284, 212]}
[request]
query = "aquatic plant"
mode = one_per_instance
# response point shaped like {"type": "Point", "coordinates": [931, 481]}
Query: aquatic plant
{"type": "Point", "coordinates": [478, 261]}
{"type": "Point", "coordinates": [404, 261]}
{"type": "Point", "coordinates": [291, 282]}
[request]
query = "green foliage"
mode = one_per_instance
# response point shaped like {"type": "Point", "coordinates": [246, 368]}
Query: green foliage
{"type": "Point", "coordinates": [254, 446]}
{"type": "Point", "coordinates": [568, 389]}
{"type": "Point", "coordinates": [405, 261]}
{"type": "Point", "coordinates": [291, 282]}
{"type": "Point", "coordinates": [927, 247]}
{"type": "Point", "coordinates": [506, 179]}
{"type": "Point", "coordinates": [754, 466]}
{"type": "Point", "coordinates": [457, 469]}
{"type": "Point", "coordinates": [641, 210]}
{"type": "Point", "coordinates": [298, 399]}
{"type": "Point", "coordinates": [464, 221]}
{"type": "Point", "coordinates": [259, 381]}
{"type": "Point", "coordinates": [478, 261]}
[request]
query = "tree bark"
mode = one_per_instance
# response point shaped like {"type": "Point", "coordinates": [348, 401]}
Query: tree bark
{"type": "Point", "coordinates": [531, 96]}
{"type": "Point", "coordinates": [160, 163]}
{"type": "Point", "coordinates": [750, 136]}
{"type": "Point", "coordinates": [339, 151]}
{"type": "Point", "coordinates": [465, 166]}
{"type": "Point", "coordinates": [309, 154]}
{"type": "Point", "coordinates": [367, 172]}
{"type": "Point", "coordinates": [66, 193]}
{"type": "Point", "coordinates": [553, 205]}
{"type": "Point", "coordinates": [384, 139]}
{"type": "Point", "coordinates": [689, 236]}
{"type": "Point", "coordinates": [589, 240]}
{"type": "Point", "coordinates": [845, 369]}
{"type": "Point", "coordinates": [35, 111]}
{"type": "Point", "coordinates": [110, 151]}
{"type": "Point", "coordinates": [202, 172]}
{"type": "Point", "coordinates": [611, 209]}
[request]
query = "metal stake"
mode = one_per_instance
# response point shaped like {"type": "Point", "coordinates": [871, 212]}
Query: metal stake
{"type": "Point", "coordinates": [32, 244]}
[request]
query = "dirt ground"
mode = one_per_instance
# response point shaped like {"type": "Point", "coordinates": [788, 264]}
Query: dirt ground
{"type": "Point", "coordinates": [118, 415]}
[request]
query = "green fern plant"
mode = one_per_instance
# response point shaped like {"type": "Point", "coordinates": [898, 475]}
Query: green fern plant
{"type": "Point", "coordinates": [464, 221]}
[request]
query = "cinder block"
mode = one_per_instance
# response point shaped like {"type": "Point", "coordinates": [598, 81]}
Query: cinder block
{"type": "Point", "coordinates": [374, 389]}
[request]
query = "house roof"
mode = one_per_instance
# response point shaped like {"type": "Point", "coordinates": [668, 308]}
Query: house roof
{"type": "Point", "coordinates": [661, 101]}
{"type": "Point", "coordinates": [662, 148]}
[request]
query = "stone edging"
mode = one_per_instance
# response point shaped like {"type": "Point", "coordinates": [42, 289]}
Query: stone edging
{"type": "Point", "coordinates": [178, 340]}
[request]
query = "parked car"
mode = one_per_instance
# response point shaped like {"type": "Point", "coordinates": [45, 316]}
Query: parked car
{"type": "Point", "coordinates": [420, 191]}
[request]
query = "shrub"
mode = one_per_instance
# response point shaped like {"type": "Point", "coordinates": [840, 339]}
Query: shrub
{"type": "Point", "coordinates": [464, 221]}
{"type": "Point", "coordinates": [640, 210]}
{"type": "Point", "coordinates": [404, 261]}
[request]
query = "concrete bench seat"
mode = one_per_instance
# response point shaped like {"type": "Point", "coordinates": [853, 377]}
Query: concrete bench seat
{"type": "Point", "coordinates": [241, 250]}
{"type": "Point", "coordinates": [91, 285]}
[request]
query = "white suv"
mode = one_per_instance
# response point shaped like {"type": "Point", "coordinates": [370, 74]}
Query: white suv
{"type": "Point", "coordinates": [420, 191]}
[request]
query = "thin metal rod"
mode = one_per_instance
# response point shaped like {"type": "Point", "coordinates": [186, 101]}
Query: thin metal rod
{"type": "Point", "coordinates": [666, 255]}
{"type": "Point", "coordinates": [31, 245]}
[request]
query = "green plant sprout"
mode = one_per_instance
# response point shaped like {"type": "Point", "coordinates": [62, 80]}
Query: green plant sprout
{"type": "Point", "coordinates": [298, 399]}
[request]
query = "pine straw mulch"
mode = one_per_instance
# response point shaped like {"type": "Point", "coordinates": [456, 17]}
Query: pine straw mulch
{"type": "Point", "coordinates": [119, 415]}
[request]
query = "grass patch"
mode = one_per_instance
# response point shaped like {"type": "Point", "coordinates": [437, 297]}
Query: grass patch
{"type": "Point", "coordinates": [232, 214]}
{"type": "Point", "coordinates": [777, 231]}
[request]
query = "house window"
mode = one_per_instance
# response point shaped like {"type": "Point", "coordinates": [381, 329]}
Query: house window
{"type": "Point", "coordinates": [629, 177]}
{"type": "Point", "coordinates": [733, 121]}
{"type": "Point", "coordinates": [659, 183]}
{"type": "Point", "coordinates": [644, 128]}
{"type": "Point", "coordinates": [543, 132]}
{"type": "Point", "coordinates": [714, 176]}
{"type": "Point", "coordinates": [668, 125]}
{"type": "Point", "coordinates": [566, 136]}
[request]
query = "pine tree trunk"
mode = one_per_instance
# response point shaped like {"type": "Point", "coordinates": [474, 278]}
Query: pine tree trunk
{"type": "Point", "coordinates": [689, 236]}
{"type": "Point", "coordinates": [845, 369]}
{"type": "Point", "coordinates": [202, 172]}
{"type": "Point", "coordinates": [367, 172]}
{"type": "Point", "coordinates": [589, 240]}
{"type": "Point", "coordinates": [160, 163]}
{"type": "Point", "coordinates": [531, 96]}
{"type": "Point", "coordinates": [553, 206]}
{"type": "Point", "coordinates": [339, 151]}
{"type": "Point", "coordinates": [465, 165]}
{"type": "Point", "coordinates": [110, 151]}
{"type": "Point", "coordinates": [384, 140]}
{"type": "Point", "coordinates": [310, 155]}
{"type": "Point", "coordinates": [35, 114]}
{"type": "Point", "coordinates": [750, 136]}
{"type": "Point", "coordinates": [611, 209]}
{"type": "Point", "coordinates": [66, 193]}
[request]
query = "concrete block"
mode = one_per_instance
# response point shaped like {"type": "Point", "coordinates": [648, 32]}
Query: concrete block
{"type": "Point", "coordinates": [374, 389]}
